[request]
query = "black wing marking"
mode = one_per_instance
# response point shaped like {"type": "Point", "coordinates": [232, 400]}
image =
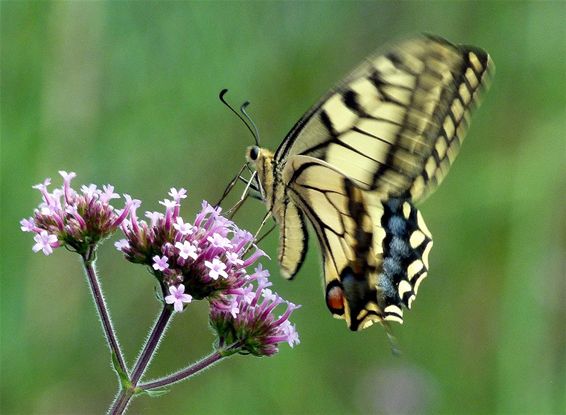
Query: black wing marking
{"type": "Point", "coordinates": [396, 123]}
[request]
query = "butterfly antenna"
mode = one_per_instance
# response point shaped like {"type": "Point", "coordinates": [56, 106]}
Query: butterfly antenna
{"type": "Point", "coordinates": [221, 96]}
{"type": "Point", "coordinates": [243, 111]}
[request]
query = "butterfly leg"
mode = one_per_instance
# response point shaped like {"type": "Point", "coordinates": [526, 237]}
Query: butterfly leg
{"type": "Point", "coordinates": [245, 194]}
{"type": "Point", "coordinates": [231, 185]}
{"type": "Point", "coordinates": [255, 240]}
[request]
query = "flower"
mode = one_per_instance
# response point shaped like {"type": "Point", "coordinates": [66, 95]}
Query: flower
{"type": "Point", "coordinates": [246, 323]}
{"type": "Point", "coordinates": [177, 195]}
{"type": "Point", "coordinates": [218, 241]}
{"type": "Point", "coordinates": [186, 250]}
{"type": "Point", "coordinates": [208, 255]}
{"type": "Point", "coordinates": [77, 220]}
{"type": "Point", "coordinates": [160, 263]}
{"type": "Point", "coordinates": [45, 242]}
{"type": "Point", "coordinates": [217, 268]}
{"type": "Point", "coordinates": [178, 297]}
{"type": "Point", "coordinates": [28, 225]}
{"type": "Point", "coordinates": [182, 227]}
{"type": "Point", "coordinates": [121, 244]}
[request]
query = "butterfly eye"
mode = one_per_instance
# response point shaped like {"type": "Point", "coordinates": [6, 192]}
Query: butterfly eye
{"type": "Point", "coordinates": [253, 153]}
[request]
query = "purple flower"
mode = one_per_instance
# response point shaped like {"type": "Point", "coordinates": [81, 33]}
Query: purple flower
{"type": "Point", "coordinates": [45, 243]}
{"type": "Point", "coordinates": [245, 322]}
{"type": "Point", "coordinates": [182, 227]}
{"type": "Point", "coordinates": [216, 268]}
{"type": "Point", "coordinates": [218, 241]}
{"type": "Point", "coordinates": [153, 217]}
{"type": "Point", "coordinates": [208, 255]}
{"type": "Point", "coordinates": [28, 225]}
{"type": "Point", "coordinates": [178, 297]}
{"type": "Point", "coordinates": [186, 250]}
{"type": "Point", "coordinates": [160, 263]}
{"type": "Point", "coordinates": [121, 244]}
{"type": "Point", "coordinates": [78, 220]}
{"type": "Point", "coordinates": [177, 195]}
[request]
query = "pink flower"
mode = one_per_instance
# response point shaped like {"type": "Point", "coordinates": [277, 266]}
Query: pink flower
{"type": "Point", "coordinates": [78, 220]}
{"type": "Point", "coordinates": [182, 227]}
{"type": "Point", "coordinates": [153, 217]}
{"type": "Point", "coordinates": [121, 244]}
{"type": "Point", "coordinates": [45, 243]}
{"type": "Point", "coordinates": [234, 259]}
{"type": "Point", "coordinates": [217, 268]}
{"type": "Point", "coordinates": [248, 319]}
{"type": "Point", "coordinates": [218, 241]}
{"type": "Point", "coordinates": [208, 255]}
{"type": "Point", "coordinates": [178, 297]}
{"type": "Point", "coordinates": [186, 250]}
{"type": "Point", "coordinates": [28, 225]}
{"type": "Point", "coordinates": [108, 193]}
{"type": "Point", "coordinates": [177, 195]}
{"type": "Point", "coordinates": [160, 263]}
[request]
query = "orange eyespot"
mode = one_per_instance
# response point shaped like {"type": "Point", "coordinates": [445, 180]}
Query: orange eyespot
{"type": "Point", "coordinates": [335, 300]}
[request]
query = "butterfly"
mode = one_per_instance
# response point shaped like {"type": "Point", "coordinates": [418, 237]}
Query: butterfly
{"type": "Point", "coordinates": [358, 161]}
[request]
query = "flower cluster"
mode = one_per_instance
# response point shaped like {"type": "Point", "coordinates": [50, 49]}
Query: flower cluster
{"type": "Point", "coordinates": [202, 258]}
{"type": "Point", "coordinates": [247, 319]}
{"type": "Point", "coordinates": [76, 220]}
{"type": "Point", "coordinates": [206, 258]}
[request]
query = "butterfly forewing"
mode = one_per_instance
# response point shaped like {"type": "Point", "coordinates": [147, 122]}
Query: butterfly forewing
{"type": "Point", "coordinates": [397, 122]}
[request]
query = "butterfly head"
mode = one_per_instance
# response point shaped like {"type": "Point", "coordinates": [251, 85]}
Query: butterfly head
{"type": "Point", "coordinates": [261, 159]}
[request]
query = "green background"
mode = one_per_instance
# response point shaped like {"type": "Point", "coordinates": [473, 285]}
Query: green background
{"type": "Point", "coordinates": [126, 93]}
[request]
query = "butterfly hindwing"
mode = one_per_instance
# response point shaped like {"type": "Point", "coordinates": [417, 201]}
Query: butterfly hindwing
{"type": "Point", "coordinates": [326, 197]}
{"type": "Point", "coordinates": [375, 252]}
{"type": "Point", "coordinates": [293, 240]}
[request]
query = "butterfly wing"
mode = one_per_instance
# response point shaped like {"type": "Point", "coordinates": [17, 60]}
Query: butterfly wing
{"type": "Point", "coordinates": [396, 123]}
{"type": "Point", "coordinates": [374, 252]}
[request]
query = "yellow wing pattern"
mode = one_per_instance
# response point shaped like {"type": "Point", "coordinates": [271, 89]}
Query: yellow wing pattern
{"type": "Point", "coordinates": [356, 163]}
{"type": "Point", "coordinates": [375, 253]}
{"type": "Point", "coordinates": [396, 123]}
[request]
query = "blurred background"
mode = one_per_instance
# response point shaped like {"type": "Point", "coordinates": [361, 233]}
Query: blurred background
{"type": "Point", "coordinates": [126, 93]}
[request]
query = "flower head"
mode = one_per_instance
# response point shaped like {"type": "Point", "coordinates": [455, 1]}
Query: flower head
{"type": "Point", "coordinates": [247, 320]}
{"type": "Point", "coordinates": [208, 256]}
{"type": "Point", "coordinates": [78, 220]}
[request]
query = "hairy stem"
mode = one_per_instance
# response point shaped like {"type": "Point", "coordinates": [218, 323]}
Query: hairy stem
{"type": "Point", "coordinates": [185, 373]}
{"type": "Point", "coordinates": [122, 400]}
{"type": "Point", "coordinates": [102, 309]}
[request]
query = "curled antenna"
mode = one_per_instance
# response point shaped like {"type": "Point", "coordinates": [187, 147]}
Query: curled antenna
{"type": "Point", "coordinates": [243, 111]}
{"type": "Point", "coordinates": [221, 96]}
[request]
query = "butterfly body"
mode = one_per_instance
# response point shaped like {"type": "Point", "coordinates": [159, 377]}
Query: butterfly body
{"type": "Point", "coordinates": [355, 165]}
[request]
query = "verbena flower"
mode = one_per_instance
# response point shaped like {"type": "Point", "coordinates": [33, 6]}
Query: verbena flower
{"type": "Point", "coordinates": [208, 256]}
{"type": "Point", "coordinates": [247, 318]}
{"type": "Point", "coordinates": [177, 297]}
{"type": "Point", "coordinates": [78, 220]}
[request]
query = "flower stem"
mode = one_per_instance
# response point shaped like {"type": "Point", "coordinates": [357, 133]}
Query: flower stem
{"type": "Point", "coordinates": [121, 402]}
{"type": "Point", "coordinates": [189, 371]}
{"type": "Point", "coordinates": [96, 290]}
